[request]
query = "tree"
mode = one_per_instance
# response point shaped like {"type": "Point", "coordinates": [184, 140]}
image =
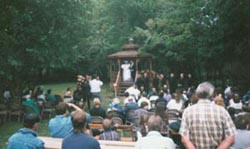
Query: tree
{"type": "Point", "coordinates": [39, 36]}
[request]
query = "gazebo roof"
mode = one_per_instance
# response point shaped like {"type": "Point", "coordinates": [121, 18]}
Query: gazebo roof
{"type": "Point", "coordinates": [129, 54]}
{"type": "Point", "coordinates": [130, 50]}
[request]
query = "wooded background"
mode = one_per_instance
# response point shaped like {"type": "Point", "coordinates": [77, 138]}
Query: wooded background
{"type": "Point", "coordinates": [53, 40]}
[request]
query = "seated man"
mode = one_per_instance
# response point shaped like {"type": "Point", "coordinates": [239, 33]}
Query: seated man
{"type": "Point", "coordinates": [108, 133]}
{"type": "Point", "coordinates": [130, 106]}
{"type": "Point", "coordinates": [26, 138]}
{"type": "Point", "coordinates": [236, 103]}
{"type": "Point", "coordinates": [152, 92]}
{"type": "Point", "coordinates": [161, 103]}
{"type": "Point", "coordinates": [154, 139]}
{"type": "Point", "coordinates": [143, 110]}
{"type": "Point", "coordinates": [176, 103]}
{"type": "Point", "coordinates": [133, 91]}
{"type": "Point", "coordinates": [61, 125]}
{"type": "Point", "coordinates": [144, 99]}
{"type": "Point", "coordinates": [242, 133]}
{"type": "Point", "coordinates": [78, 139]}
{"type": "Point", "coordinates": [174, 128]}
{"type": "Point", "coordinates": [97, 110]}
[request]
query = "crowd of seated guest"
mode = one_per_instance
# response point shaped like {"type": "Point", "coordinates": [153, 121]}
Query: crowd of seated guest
{"type": "Point", "coordinates": [186, 101]}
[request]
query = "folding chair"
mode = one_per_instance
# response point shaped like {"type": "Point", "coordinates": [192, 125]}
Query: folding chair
{"type": "Point", "coordinates": [96, 119]}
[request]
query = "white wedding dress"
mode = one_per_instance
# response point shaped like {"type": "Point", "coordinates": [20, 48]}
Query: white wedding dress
{"type": "Point", "coordinates": [126, 75]}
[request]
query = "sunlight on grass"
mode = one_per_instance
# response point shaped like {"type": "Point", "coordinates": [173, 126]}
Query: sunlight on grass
{"type": "Point", "coordinates": [59, 89]}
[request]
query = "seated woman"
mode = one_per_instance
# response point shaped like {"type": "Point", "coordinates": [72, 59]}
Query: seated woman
{"type": "Point", "coordinates": [219, 101]}
{"type": "Point", "coordinates": [68, 95]}
{"type": "Point", "coordinates": [97, 110]}
{"type": "Point", "coordinates": [115, 110]}
{"type": "Point", "coordinates": [108, 133]}
{"type": "Point", "coordinates": [115, 105]}
{"type": "Point", "coordinates": [32, 104]}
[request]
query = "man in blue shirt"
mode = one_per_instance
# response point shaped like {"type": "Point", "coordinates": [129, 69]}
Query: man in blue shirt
{"type": "Point", "coordinates": [61, 125]}
{"type": "Point", "coordinates": [78, 139]}
{"type": "Point", "coordinates": [26, 138]}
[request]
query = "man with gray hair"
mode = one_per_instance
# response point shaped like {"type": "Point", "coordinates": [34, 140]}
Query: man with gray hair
{"type": "Point", "coordinates": [206, 125]}
{"type": "Point", "coordinates": [154, 139]}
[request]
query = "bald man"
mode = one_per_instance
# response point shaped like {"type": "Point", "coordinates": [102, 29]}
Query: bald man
{"type": "Point", "coordinates": [154, 139]}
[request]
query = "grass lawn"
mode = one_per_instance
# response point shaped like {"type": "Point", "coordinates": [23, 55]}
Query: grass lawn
{"type": "Point", "coordinates": [8, 128]}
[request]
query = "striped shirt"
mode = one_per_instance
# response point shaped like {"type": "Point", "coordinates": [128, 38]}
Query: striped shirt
{"type": "Point", "coordinates": [110, 135]}
{"type": "Point", "coordinates": [206, 124]}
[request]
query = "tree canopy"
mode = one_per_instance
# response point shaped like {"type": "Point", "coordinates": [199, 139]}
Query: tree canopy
{"type": "Point", "coordinates": [47, 39]}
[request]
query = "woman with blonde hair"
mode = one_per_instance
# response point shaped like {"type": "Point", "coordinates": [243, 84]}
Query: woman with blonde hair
{"type": "Point", "coordinates": [219, 101]}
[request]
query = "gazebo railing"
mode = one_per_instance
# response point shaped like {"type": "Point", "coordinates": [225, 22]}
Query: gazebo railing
{"type": "Point", "coordinates": [117, 83]}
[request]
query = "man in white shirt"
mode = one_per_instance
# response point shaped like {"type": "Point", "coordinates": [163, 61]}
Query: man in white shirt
{"type": "Point", "coordinates": [176, 103]}
{"type": "Point", "coordinates": [154, 140]}
{"type": "Point", "coordinates": [95, 87]}
{"type": "Point", "coordinates": [235, 102]}
{"type": "Point", "coordinates": [133, 91]}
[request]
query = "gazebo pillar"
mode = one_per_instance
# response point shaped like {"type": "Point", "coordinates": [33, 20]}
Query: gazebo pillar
{"type": "Point", "coordinates": [119, 64]}
{"type": "Point", "coordinates": [136, 66]}
{"type": "Point", "coordinates": [110, 68]}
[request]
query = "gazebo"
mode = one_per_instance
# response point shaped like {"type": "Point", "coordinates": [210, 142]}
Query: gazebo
{"type": "Point", "coordinates": [130, 52]}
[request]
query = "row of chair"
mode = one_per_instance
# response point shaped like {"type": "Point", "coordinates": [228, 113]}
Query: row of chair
{"type": "Point", "coordinates": [7, 113]}
{"type": "Point", "coordinates": [15, 110]}
{"type": "Point", "coordinates": [171, 116]}
{"type": "Point", "coordinates": [121, 129]}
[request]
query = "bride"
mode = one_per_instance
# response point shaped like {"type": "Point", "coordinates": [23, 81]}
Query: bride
{"type": "Point", "coordinates": [126, 73]}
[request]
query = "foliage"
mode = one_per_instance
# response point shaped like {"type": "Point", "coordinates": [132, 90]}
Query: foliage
{"type": "Point", "coordinates": [39, 37]}
{"type": "Point", "coordinates": [44, 39]}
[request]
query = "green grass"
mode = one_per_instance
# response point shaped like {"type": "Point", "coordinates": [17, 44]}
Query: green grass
{"type": "Point", "coordinates": [10, 127]}
{"type": "Point", "coordinates": [59, 88]}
